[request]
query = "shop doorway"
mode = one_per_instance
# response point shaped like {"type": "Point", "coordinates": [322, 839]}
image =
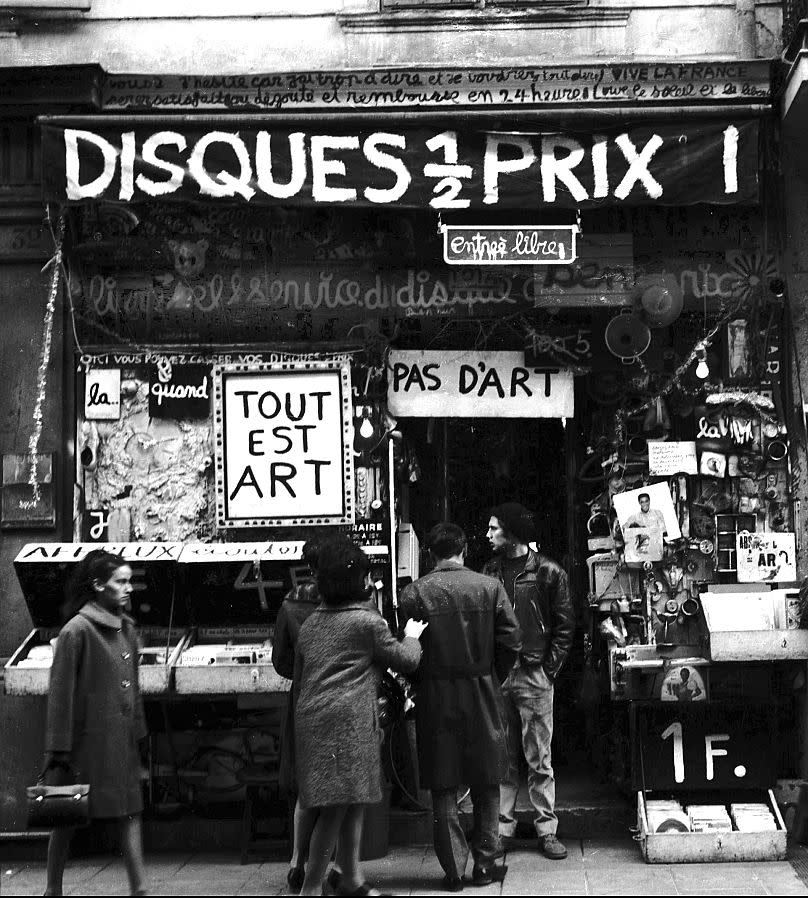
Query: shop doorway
{"type": "Point", "coordinates": [467, 465]}
{"type": "Point", "coordinates": [459, 469]}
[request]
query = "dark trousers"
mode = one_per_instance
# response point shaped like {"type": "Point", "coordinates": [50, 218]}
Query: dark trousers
{"type": "Point", "coordinates": [451, 845]}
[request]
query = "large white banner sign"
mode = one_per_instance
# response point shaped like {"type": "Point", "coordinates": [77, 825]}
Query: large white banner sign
{"type": "Point", "coordinates": [473, 384]}
{"type": "Point", "coordinates": [283, 444]}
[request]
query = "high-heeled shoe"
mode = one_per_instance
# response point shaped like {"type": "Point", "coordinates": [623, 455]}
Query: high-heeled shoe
{"type": "Point", "coordinates": [294, 879]}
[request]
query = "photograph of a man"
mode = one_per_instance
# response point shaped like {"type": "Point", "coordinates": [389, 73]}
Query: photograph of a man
{"type": "Point", "coordinates": [538, 588]}
{"type": "Point", "coordinates": [470, 645]}
{"type": "Point", "coordinates": [648, 517]}
{"type": "Point", "coordinates": [649, 507]}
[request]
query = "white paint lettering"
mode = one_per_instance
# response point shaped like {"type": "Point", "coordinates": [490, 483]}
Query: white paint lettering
{"type": "Point", "coordinates": [75, 189]}
{"type": "Point", "coordinates": [150, 157]}
{"type": "Point", "coordinates": [224, 184]}
{"type": "Point", "coordinates": [322, 167]}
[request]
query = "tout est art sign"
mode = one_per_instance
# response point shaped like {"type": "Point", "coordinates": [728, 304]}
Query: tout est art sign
{"type": "Point", "coordinates": [711, 162]}
{"type": "Point", "coordinates": [283, 444]}
{"type": "Point", "coordinates": [471, 384]}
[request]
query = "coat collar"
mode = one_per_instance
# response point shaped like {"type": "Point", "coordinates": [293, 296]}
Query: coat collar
{"type": "Point", "coordinates": [356, 605]}
{"type": "Point", "coordinates": [98, 615]}
{"type": "Point", "coordinates": [531, 564]}
{"type": "Point", "coordinates": [446, 564]}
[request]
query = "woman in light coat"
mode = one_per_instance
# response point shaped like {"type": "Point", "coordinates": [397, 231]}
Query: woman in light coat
{"type": "Point", "coordinates": [95, 724]}
{"type": "Point", "coordinates": [342, 651]}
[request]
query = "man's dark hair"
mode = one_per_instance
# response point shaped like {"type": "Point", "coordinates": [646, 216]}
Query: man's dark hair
{"type": "Point", "coordinates": [445, 540]}
{"type": "Point", "coordinates": [643, 496]}
{"type": "Point", "coordinates": [516, 520]}
{"type": "Point", "coordinates": [341, 571]}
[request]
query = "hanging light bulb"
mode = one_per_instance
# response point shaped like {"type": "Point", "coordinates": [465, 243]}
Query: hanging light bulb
{"type": "Point", "coordinates": [366, 428]}
{"type": "Point", "coordinates": [702, 369]}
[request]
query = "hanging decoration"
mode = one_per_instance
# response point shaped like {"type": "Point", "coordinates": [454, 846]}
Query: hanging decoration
{"type": "Point", "coordinates": [55, 264]}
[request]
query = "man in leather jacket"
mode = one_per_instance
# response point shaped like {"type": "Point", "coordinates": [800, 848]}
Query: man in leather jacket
{"type": "Point", "coordinates": [538, 588]}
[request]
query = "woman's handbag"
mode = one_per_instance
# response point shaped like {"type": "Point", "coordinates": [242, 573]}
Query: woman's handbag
{"type": "Point", "coordinates": [51, 807]}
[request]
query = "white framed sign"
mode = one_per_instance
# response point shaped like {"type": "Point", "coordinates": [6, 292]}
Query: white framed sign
{"type": "Point", "coordinates": [469, 383]}
{"type": "Point", "coordinates": [509, 244]}
{"type": "Point", "coordinates": [667, 457]}
{"type": "Point", "coordinates": [102, 394]}
{"type": "Point", "coordinates": [766, 557]}
{"type": "Point", "coordinates": [283, 444]}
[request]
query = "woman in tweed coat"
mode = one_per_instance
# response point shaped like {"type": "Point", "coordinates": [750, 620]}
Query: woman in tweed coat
{"type": "Point", "coordinates": [95, 712]}
{"type": "Point", "coordinates": [342, 650]}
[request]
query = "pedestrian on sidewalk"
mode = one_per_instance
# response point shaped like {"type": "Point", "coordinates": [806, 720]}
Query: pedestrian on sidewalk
{"type": "Point", "coordinates": [297, 607]}
{"type": "Point", "coordinates": [342, 650]}
{"type": "Point", "coordinates": [538, 588]}
{"type": "Point", "coordinates": [96, 729]}
{"type": "Point", "coordinates": [472, 642]}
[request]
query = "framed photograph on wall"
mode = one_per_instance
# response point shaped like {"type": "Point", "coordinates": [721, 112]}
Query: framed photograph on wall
{"type": "Point", "coordinates": [20, 507]}
{"type": "Point", "coordinates": [649, 507]}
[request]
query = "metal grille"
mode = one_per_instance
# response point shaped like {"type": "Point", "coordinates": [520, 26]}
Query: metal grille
{"type": "Point", "coordinates": [793, 11]}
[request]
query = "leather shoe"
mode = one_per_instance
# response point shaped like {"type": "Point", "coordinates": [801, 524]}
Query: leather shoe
{"type": "Point", "coordinates": [483, 876]}
{"type": "Point", "coordinates": [552, 848]}
{"type": "Point", "coordinates": [294, 879]}
{"type": "Point", "coordinates": [452, 884]}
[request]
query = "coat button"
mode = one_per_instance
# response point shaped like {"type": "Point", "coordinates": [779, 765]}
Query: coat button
{"type": "Point", "coordinates": [126, 656]}
{"type": "Point", "coordinates": [125, 684]}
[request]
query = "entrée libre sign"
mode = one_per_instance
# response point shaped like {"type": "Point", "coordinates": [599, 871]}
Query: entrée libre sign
{"type": "Point", "coordinates": [509, 244]}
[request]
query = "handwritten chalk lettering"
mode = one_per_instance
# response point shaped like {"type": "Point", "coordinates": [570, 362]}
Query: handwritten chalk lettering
{"type": "Point", "coordinates": [162, 391]}
{"type": "Point", "coordinates": [403, 88]}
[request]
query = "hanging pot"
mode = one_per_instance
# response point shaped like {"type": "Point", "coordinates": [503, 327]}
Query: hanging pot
{"type": "Point", "coordinates": [627, 337]}
{"type": "Point", "coordinates": [660, 299]}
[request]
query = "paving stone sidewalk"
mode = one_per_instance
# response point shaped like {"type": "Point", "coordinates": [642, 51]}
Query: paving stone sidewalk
{"type": "Point", "coordinates": [594, 867]}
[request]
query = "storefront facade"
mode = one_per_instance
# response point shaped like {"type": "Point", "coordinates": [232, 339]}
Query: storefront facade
{"type": "Point", "coordinates": [275, 331]}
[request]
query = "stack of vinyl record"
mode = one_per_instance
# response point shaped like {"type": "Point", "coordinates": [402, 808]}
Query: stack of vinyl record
{"type": "Point", "coordinates": [666, 816]}
{"type": "Point", "coordinates": [752, 817]}
{"type": "Point", "coordinates": [709, 818]}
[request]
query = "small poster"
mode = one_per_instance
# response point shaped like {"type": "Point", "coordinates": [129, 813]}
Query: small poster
{"type": "Point", "coordinates": [648, 507]}
{"type": "Point", "coordinates": [766, 557]}
{"type": "Point", "coordinates": [683, 684]}
{"type": "Point", "coordinates": [179, 391]}
{"type": "Point", "coordinates": [642, 544]}
{"type": "Point", "coordinates": [102, 394]}
{"type": "Point", "coordinates": [666, 458]}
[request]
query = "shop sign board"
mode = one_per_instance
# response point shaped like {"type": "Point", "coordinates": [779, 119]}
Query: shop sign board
{"type": "Point", "coordinates": [179, 391]}
{"type": "Point", "coordinates": [479, 88]}
{"type": "Point", "coordinates": [706, 745]}
{"type": "Point", "coordinates": [474, 384]}
{"type": "Point", "coordinates": [766, 557]}
{"type": "Point", "coordinates": [509, 244]}
{"type": "Point", "coordinates": [102, 394]}
{"type": "Point", "coordinates": [640, 164]}
{"type": "Point", "coordinates": [48, 553]}
{"type": "Point", "coordinates": [284, 444]}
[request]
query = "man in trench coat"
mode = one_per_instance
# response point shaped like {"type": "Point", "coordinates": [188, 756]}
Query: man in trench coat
{"type": "Point", "coordinates": [471, 643]}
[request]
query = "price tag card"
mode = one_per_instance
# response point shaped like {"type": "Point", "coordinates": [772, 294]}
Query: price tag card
{"type": "Point", "coordinates": [705, 746]}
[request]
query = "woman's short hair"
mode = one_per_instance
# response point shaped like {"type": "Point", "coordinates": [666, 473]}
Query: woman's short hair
{"type": "Point", "coordinates": [342, 568]}
{"type": "Point", "coordinates": [311, 553]}
{"type": "Point", "coordinates": [445, 540]}
{"type": "Point", "coordinates": [98, 565]}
